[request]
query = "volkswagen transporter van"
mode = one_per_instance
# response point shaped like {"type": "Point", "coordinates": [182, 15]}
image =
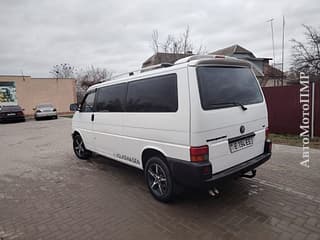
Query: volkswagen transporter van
{"type": "Point", "coordinates": [195, 123]}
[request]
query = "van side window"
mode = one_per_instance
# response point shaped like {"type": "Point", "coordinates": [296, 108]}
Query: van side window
{"type": "Point", "coordinates": [88, 102]}
{"type": "Point", "coordinates": [111, 98]}
{"type": "Point", "coordinates": [156, 94]}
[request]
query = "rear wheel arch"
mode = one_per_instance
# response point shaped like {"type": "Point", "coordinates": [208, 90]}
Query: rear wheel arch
{"type": "Point", "coordinates": [151, 152]}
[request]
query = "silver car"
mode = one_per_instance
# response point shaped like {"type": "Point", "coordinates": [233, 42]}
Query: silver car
{"type": "Point", "coordinates": [45, 110]}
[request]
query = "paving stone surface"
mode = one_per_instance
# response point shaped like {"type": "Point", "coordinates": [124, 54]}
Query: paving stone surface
{"type": "Point", "coordinates": [46, 193]}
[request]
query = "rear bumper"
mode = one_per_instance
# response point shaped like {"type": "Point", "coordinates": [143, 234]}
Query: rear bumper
{"type": "Point", "coordinates": [45, 114]}
{"type": "Point", "coordinates": [12, 118]}
{"type": "Point", "coordinates": [194, 174]}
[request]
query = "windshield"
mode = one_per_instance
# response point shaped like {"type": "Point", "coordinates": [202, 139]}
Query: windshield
{"type": "Point", "coordinates": [227, 87]}
{"type": "Point", "coordinates": [45, 105]}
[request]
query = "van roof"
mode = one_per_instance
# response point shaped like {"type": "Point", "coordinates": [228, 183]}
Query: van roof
{"type": "Point", "coordinates": [195, 60]}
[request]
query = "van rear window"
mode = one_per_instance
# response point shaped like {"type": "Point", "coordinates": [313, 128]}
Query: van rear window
{"type": "Point", "coordinates": [227, 86]}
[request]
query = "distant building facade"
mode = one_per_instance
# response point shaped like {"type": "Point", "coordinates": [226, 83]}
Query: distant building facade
{"type": "Point", "coordinates": [28, 92]}
{"type": "Point", "coordinates": [266, 74]}
{"type": "Point", "coordinates": [160, 57]}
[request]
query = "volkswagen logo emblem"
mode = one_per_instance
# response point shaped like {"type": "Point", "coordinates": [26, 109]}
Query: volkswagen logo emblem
{"type": "Point", "coordinates": [242, 129]}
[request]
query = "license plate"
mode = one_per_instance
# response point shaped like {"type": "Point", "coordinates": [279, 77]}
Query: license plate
{"type": "Point", "coordinates": [241, 144]}
{"type": "Point", "coordinates": [11, 114]}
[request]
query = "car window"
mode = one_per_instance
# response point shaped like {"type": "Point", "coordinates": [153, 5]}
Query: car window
{"type": "Point", "coordinates": [44, 105]}
{"type": "Point", "coordinates": [156, 94]}
{"type": "Point", "coordinates": [111, 98]}
{"type": "Point", "coordinates": [88, 103]}
{"type": "Point", "coordinates": [226, 86]}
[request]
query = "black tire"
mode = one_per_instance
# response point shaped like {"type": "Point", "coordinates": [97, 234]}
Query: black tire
{"type": "Point", "coordinates": [159, 179]}
{"type": "Point", "coordinates": [79, 148]}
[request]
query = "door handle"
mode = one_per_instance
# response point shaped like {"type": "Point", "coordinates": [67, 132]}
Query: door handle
{"type": "Point", "coordinates": [92, 117]}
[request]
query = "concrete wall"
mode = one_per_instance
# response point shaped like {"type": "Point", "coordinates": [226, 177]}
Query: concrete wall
{"type": "Point", "coordinates": [32, 91]}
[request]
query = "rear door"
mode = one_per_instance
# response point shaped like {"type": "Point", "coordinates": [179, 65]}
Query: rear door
{"type": "Point", "coordinates": [228, 114]}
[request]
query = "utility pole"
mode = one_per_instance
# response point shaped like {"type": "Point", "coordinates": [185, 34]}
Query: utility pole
{"type": "Point", "coordinates": [271, 23]}
{"type": "Point", "coordinates": [282, 67]}
{"type": "Point", "coordinates": [274, 56]}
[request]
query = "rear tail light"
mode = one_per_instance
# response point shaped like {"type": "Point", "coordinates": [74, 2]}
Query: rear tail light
{"type": "Point", "coordinates": [199, 154]}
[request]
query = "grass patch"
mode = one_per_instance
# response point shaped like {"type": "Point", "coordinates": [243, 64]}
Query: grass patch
{"type": "Point", "coordinates": [293, 140]}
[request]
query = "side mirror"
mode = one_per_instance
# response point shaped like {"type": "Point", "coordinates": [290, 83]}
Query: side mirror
{"type": "Point", "coordinates": [74, 107]}
{"type": "Point", "coordinates": [34, 109]}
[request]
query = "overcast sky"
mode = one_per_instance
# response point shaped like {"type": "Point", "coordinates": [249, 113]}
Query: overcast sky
{"type": "Point", "coordinates": [37, 34]}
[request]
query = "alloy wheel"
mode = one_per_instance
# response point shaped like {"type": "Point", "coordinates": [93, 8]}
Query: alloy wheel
{"type": "Point", "coordinates": [79, 146]}
{"type": "Point", "coordinates": [157, 179]}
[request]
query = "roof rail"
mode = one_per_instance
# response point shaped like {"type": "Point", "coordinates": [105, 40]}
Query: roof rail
{"type": "Point", "coordinates": [125, 74]}
{"type": "Point", "coordinates": [141, 70]}
{"type": "Point", "coordinates": [152, 67]}
{"type": "Point", "coordinates": [197, 57]}
{"type": "Point", "coordinates": [165, 65]}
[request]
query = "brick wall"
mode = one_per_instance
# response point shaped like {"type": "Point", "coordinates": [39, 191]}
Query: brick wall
{"type": "Point", "coordinates": [32, 91]}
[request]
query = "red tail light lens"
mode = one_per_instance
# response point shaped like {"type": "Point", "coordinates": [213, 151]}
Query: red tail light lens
{"type": "Point", "coordinates": [199, 154]}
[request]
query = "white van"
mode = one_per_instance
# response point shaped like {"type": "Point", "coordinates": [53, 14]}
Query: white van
{"type": "Point", "coordinates": [195, 123]}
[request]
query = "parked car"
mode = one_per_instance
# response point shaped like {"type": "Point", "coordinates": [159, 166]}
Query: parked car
{"type": "Point", "coordinates": [11, 113]}
{"type": "Point", "coordinates": [45, 110]}
{"type": "Point", "coordinates": [196, 123]}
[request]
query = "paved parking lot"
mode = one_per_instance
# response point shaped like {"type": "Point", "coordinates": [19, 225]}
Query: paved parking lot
{"type": "Point", "coordinates": [46, 193]}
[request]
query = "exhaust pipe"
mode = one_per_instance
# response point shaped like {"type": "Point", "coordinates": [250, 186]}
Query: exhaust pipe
{"type": "Point", "coordinates": [252, 175]}
{"type": "Point", "coordinates": [213, 192]}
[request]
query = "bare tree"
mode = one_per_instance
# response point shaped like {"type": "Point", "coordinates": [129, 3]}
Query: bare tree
{"type": "Point", "coordinates": [306, 56]}
{"type": "Point", "coordinates": [176, 45]}
{"type": "Point", "coordinates": [92, 75]}
{"type": "Point", "coordinates": [63, 70]}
